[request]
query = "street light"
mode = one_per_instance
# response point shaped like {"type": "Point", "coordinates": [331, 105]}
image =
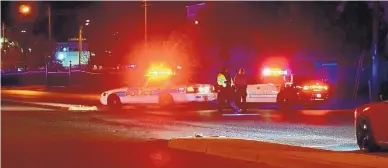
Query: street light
{"type": "Point", "coordinates": [24, 9]}
{"type": "Point", "coordinates": [145, 21]}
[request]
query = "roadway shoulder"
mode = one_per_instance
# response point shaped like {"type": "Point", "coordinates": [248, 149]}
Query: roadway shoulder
{"type": "Point", "coordinates": [277, 154]}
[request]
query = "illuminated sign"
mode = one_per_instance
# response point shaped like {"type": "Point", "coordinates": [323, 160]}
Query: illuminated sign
{"type": "Point", "coordinates": [329, 64]}
{"type": "Point", "coordinates": [76, 39]}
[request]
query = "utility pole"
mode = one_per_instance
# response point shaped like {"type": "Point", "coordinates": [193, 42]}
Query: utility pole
{"type": "Point", "coordinates": [49, 33]}
{"type": "Point", "coordinates": [375, 57]}
{"type": "Point", "coordinates": [145, 22]}
{"type": "Point", "coordinates": [3, 34]}
{"type": "Point", "coordinates": [80, 45]}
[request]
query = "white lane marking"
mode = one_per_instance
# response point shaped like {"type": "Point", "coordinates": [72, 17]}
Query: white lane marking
{"type": "Point", "coordinates": [240, 114]}
{"type": "Point", "coordinates": [21, 108]}
{"type": "Point", "coordinates": [83, 108]}
{"type": "Point", "coordinates": [52, 104]}
{"type": "Point", "coordinates": [70, 107]}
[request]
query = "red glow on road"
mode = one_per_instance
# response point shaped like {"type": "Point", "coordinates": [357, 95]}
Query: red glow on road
{"type": "Point", "coordinates": [160, 158]}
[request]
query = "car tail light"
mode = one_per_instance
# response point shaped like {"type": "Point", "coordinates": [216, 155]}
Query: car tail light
{"type": "Point", "coordinates": [190, 89]}
{"type": "Point", "coordinates": [205, 89]}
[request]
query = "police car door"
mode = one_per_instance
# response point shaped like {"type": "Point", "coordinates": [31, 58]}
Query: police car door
{"type": "Point", "coordinates": [262, 93]}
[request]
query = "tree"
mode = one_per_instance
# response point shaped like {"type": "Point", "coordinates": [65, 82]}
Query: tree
{"type": "Point", "coordinates": [112, 32]}
{"type": "Point", "coordinates": [10, 54]}
{"type": "Point", "coordinates": [39, 51]}
{"type": "Point", "coordinates": [223, 28]}
{"type": "Point", "coordinates": [356, 20]}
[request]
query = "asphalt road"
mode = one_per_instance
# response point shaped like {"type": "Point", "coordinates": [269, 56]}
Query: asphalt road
{"type": "Point", "coordinates": [118, 138]}
{"type": "Point", "coordinates": [40, 137]}
{"type": "Point", "coordinates": [324, 129]}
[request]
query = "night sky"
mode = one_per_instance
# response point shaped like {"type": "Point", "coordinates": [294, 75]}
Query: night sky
{"type": "Point", "coordinates": [11, 17]}
{"type": "Point", "coordinates": [65, 13]}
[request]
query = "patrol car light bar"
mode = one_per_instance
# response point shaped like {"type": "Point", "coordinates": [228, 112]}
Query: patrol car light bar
{"type": "Point", "coordinates": [274, 72]}
{"type": "Point", "coordinates": [317, 86]}
{"type": "Point", "coordinates": [159, 72]}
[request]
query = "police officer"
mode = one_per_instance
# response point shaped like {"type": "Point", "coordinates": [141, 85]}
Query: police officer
{"type": "Point", "coordinates": [225, 91]}
{"type": "Point", "coordinates": [241, 82]}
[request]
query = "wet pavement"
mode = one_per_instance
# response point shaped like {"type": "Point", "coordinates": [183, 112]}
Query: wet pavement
{"type": "Point", "coordinates": [46, 137]}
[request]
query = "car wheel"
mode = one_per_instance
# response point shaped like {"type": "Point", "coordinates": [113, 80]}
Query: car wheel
{"type": "Point", "coordinates": [114, 102]}
{"type": "Point", "coordinates": [365, 138]}
{"type": "Point", "coordinates": [165, 100]}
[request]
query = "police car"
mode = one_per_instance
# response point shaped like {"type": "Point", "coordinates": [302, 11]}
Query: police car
{"type": "Point", "coordinates": [160, 87]}
{"type": "Point", "coordinates": [266, 89]}
{"type": "Point", "coordinates": [303, 92]}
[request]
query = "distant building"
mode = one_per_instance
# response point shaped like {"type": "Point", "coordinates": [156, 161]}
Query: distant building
{"type": "Point", "coordinates": [69, 51]}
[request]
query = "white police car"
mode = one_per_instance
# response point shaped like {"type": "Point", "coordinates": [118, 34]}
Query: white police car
{"type": "Point", "coordinates": [160, 87]}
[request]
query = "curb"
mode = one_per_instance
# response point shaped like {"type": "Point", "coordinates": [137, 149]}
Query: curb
{"type": "Point", "coordinates": [59, 108]}
{"type": "Point", "coordinates": [56, 106]}
{"type": "Point", "coordinates": [50, 94]}
{"type": "Point", "coordinates": [276, 154]}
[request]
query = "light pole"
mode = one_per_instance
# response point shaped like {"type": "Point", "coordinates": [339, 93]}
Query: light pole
{"type": "Point", "coordinates": [25, 10]}
{"type": "Point", "coordinates": [375, 57]}
{"type": "Point", "coordinates": [3, 35]}
{"type": "Point", "coordinates": [80, 39]}
{"type": "Point", "coordinates": [80, 45]}
{"type": "Point", "coordinates": [145, 22]}
{"type": "Point", "coordinates": [50, 46]}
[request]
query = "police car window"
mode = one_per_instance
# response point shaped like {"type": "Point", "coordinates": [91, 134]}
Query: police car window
{"type": "Point", "coordinates": [182, 80]}
{"type": "Point", "coordinates": [301, 80]}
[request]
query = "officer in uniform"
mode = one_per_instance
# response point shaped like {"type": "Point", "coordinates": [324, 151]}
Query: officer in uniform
{"type": "Point", "coordinates": [225, 92]}
{"type": "Point", "coordinates": [241, 82]}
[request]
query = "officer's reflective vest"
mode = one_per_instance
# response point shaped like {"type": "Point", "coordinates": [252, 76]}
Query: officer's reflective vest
{"type": "Point", "coordinates": [221, 80]}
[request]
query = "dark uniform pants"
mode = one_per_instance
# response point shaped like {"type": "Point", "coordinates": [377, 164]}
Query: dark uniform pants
{"type": "Point", "coordinates": [226, 97]}
{"type": "Point", "coordinates": [242, 96]}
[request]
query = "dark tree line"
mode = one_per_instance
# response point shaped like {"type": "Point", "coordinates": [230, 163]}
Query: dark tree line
{"type": "Point", "coordinates": [330, 27]}
{"type": "Point", "coordinates": [337, 29]}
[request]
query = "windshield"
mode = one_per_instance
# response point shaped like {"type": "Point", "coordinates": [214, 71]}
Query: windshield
{"type": "Point", "coordinates": [169, 81]}
{"type": "Point", "coordinates": [277, 80]}
{"type": "Point", "coordinates": [300, 80]}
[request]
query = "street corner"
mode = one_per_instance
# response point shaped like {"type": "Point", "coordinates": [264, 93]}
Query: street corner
{"type": "Point", "coordinates": [340, 158]}
{"type": "Point", "coordinates": [196, 145]}
{"type": "Point", "coordinates": [275, 154]}
{"type": "Point", "coordinates": [218, 146]}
